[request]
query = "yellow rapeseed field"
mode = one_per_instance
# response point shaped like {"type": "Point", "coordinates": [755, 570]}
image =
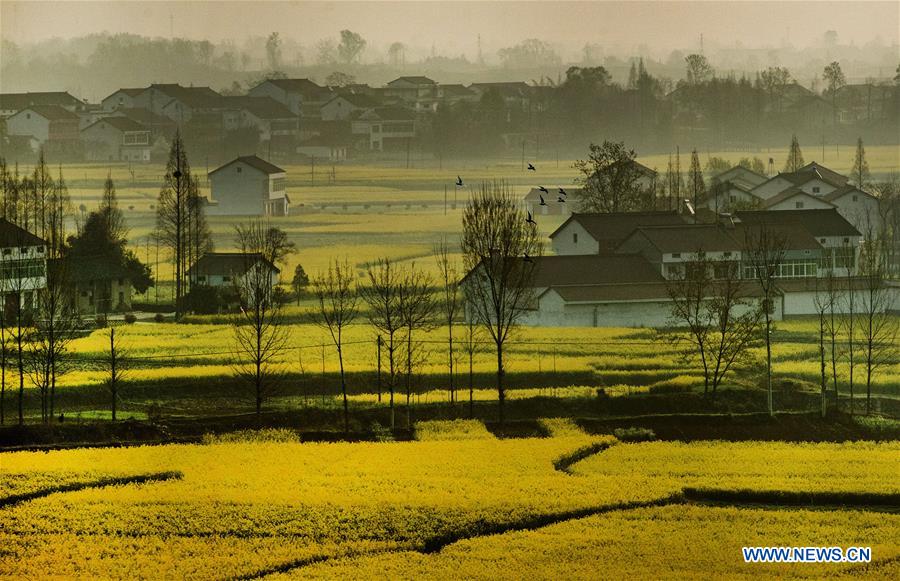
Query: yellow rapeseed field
{"type": "Point", "coordinates": [244, 508]}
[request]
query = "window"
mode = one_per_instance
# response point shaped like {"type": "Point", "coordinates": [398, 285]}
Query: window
{"type": "Point", "coordinates": [799, 205]}
{"type": "Point", "coordinates": [23, 250]}
{"type": "Point", "coordinates": [727, 254]}
{"type": "Point", "coordinates": [239, 168]}
{"type": "Point", "coordinates": [855, 198]}
{"type": "Point", "coordinates": [816, 189]}
{"type": "Point", "coordinates": [226, 278]}
{"type": "Point", "coordinates": [27, 115]}
{"type": "Point", "coordinates": [574, 237]}
{"type": "Point", "coordinates": [676, 255]}
{"type": "Point", "coordinates": [822, 240]}
{"type": "Point", "coordinates": [121, 281]}
{"type": "Point", "coordinates": [7, 251]}
{"type": "Point", "coordinates": [797, 268]}
{"type": "Point", "coordinates": [201, 278]}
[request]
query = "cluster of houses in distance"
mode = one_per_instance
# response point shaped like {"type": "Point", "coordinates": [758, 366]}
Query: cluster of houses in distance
{"type": "Point", "coordinates": [292, 118]}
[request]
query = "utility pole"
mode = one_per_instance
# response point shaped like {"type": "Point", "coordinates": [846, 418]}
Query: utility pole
{"type": "Point", "coordinates": [523, 155]}
{"type": "Point", "coordinates": [312, 170]}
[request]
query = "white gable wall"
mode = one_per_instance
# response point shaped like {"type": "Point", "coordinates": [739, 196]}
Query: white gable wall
{"type": "Point", "coordinates": [573, 239]}
{"type": "Point", "coordinates": [807, 203]}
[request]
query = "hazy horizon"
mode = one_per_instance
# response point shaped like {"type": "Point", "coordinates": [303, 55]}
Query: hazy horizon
{"type": "Point", "coordinates": [453, 28]}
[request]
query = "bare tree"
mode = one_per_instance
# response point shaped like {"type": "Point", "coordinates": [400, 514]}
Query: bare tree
{"type": "Point", "coordinates": [338, 297]}
{"type": "Point", "coordinates": [829, 293]}
{"type": "Point", "coordinates": [711, 303]}
{"type": "Point", "coordinates": [611, 180]}
{"type": "Point", "coordinates": [56, 324]}
{"type": "Point", "coordinates": [415, 306]}
{"type": "Point", "coordinates": [381, 296]}
{"type": "Point", "coordinates": [765, 249]}
{"type": "Point", "coordinates": [878, 328]}
{"type": "Point", "coordinates": [115, 366]}
{"type": "Point", "coordinates": [259, 331]}
{"type": "Point", "coordinates": [449, 304]}
{"type": "Point", "coordinates": [499, 247]}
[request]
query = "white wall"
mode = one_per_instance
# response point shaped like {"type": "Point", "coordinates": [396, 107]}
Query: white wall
{"type": "Point", "coordinates": [239, 193]}
{"type": "Point", "coordinates": [564, 241]}
{"type": "Point", "coordinates": [27, 122]}
{"type": "Point", "coordinates": [809, 203]}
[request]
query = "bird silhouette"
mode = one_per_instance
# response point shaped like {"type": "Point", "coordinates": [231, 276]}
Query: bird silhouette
{"type": "Point", "coordinates": [561, 200]}
{"type": "Point", "coordinates": [528, 258]}
{"type": "Point", "coordinates": [543, 189]}
{"type": "Point", "coordinates": [459, 181]}
{"type": "Point", "coordinates": [530, 220]}
{"type": "Point", "coordinates": [563, 192]}
{"type": "Point", "coordinates": [531, 167]}
{"type": "Point", "coordinates": [543, 203]}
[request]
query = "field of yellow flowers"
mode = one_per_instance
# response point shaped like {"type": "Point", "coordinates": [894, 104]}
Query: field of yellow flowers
{"type": "Point", "coordinates": [456, 502]}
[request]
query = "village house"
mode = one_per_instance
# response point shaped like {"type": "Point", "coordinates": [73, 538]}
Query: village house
{"type": "Point", "coordinates": [248, 186]}
{"type": "Point", "coordinates": [613, 269]}
{"type": "Point", "coordinates": [23, 267]}
{"type": "Point", "coordinates": [516, 94]}
{"type": "Point", "coordinates": [121, 99]}
{"type": "Point", "coordinates": [277, 126]}
{"type": "Point", "coordinates": [99, 285]}
{"type": "Point", "coordinates": [230, 269]}
{"type": "Point", "coordinates": [385, 128]}
{"type": "Point", "coordinates": [342, 106]}
{"type": "Point", "coordinates": [455, 93]}
{"type": "Point", "coordinates": [117, 139]}
{"type": "Point", "coordinates": [329, 147]}
{"type": "Point", "coordinates": [416, 92]}
{"type": "Point", "coordinates": [54, 128]}
{"type": "Point", "coordinates": [12, 103]}
{"type": "Point", "coordinates": [864, 103]}
{"type": "Point", "coordinates": [301, 96]}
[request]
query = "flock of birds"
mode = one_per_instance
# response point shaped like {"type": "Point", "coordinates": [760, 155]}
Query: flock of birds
{"type": "Point", "coordinates": [561, 198]}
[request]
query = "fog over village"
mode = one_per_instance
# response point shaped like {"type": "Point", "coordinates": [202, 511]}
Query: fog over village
{"type": "Point", "coordinates": [449, 289]}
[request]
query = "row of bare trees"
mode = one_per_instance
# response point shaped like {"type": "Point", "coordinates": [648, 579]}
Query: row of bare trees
{"type": "Point", "coordinates": [721, 309]}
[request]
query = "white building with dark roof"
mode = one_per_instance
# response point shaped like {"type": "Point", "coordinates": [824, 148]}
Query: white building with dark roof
{"type": "Point", "coordinates": [248, 186]}
{"type": "Point", "coordinates": [54, 127]}
{"type": "Point", "coordinates": [23, 267]}
{"type": "Point", "coordinates": [116, 139]}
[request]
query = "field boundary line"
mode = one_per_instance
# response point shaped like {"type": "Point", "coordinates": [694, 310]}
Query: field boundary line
{"type": "Point", "coordinates": [15, 499]}
{"type": "Point", "coordinates": [565, 462]}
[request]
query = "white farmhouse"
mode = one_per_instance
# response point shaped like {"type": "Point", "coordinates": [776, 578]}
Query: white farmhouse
{"type": "Point", "coordinates": [385, 128]}
{"type": "Point", "coordinates": [302, 96]}
{"type": "Point", "coordinates": [116, 139]}
{"type": "Point", "coordinates": [248, 186]}
{"type": "Point", "coordinates": [53, 127]}
{"type": "Point", "coordinates": [230, 269]}
{"type": "Point", "coordinates": [23, 267]}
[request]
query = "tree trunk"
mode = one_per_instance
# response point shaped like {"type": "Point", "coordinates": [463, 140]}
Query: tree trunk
{"type": "Point", "coordinates": [501, 392]}
{"type": "Point", "coordinates": [471, 387]}
{"type": "Point", "coordinates": [769, 364]}
{"type": "Point", "coordinates": [344, 391]}
{"type": "Point", "coordinates": [822, 359]}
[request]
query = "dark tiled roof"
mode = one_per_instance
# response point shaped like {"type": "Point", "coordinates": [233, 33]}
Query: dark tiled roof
{"type": "Point", "coordinates": [392, 113]}
{"type": "Point", "coordinates": [614, 228]}
{"type": "Point", "coordinates": [414, 80]}
{"type": "Point", "coordinates": [456, 90]}
{"type": "Point", "coordinates": [817, 222]}
{"type": "Point", "coordinates": [120, 123]}
{"type": "Point", "coordinates": [843, 191]}
{"type": "Point", "coordinates": [253, 161]}
{"type": "Point", "coordinates": [593, 269]}
{"type": "Point", "coordinates": [53, 112]}
{"type": "Point", "coordinates": [19, 101]}
{"type": "Point", "coordinates": [144, 116]}
{"type": "Point", "coordinates": [690, 238]}
{"type": "Point", "coordinates": [13, 235]}
{"type": "Point", "coordinates": [227, 263]}
{"type": "Point", "coordinates": [261, 107]}
{"type": "Point", "coordinates": [304, 87]}
{"type": "Point", "coordinates": [788, 194]}
{"type": "Point", "coordinates": [824, 172]}
{"type": "Point", "coordinates": [131, 92]}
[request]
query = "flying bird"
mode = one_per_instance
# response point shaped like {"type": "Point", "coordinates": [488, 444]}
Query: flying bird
{"type": "Point", "coordinates": [561, 200]}
{"type": "Point", "coordinates": [563, 192]}
{"type": "Point", "coordinates": [543, 189]}
{"type": "Point", "coordinates": [531, 167]}
{"type": "Point", "coordinates": [530, 220]}
{"type": "Point", "coordinates": [459, 181]}
{"type": "Point", "coordinates": [543, 203]}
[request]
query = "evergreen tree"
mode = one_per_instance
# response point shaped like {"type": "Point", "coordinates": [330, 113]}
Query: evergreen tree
{"type": "Point", "coordinates": [860, 171]}
{"type": "Point", "coordinates": [172, 214]}
{"type": "Point", "coordinates": [795, 156]}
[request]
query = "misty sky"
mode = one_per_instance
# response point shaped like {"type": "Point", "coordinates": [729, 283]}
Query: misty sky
{"type": "Point", "coordinates": [453, 27]}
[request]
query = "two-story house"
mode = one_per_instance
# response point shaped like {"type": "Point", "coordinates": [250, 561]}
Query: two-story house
{"type": "Point", "coordinates": [55, 128]}
{"type": "Point", "coordinates": [248, 186]}
{"type": "Point", "coordinates": [117, 139]}
{"type": "Point", "coordinates": [23, 268]}
{"type": "Point", "coordinates": [301, 96]}
{"type": "Point", "coordinates": [385, 128]}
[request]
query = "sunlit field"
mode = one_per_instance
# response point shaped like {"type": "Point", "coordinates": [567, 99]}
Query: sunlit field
{"type": "Point", "coordinates": [188, 369]}
{"type": "Point", "coordinates": [458, 502]}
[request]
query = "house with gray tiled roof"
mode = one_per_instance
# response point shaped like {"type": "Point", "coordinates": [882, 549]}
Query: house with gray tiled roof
{"type": "Point", "coordinates": [248, 186]}
{"type": "Point", "coordinates": [117, 139]}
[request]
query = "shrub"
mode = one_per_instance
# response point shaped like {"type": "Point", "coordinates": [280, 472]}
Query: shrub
{"type": "Point", "coordinates": [130, 318]}
{"type": "Point", "coordinates": [381, 433]}
{"type": "Point", "coordinates": [100, 321]}
{"type": "Point", "coordinates": [452, 430]}
{"type": "Point", "coordinates": [159, 318]}
{"type": "Point", "coordinates": [634, 434]}
{"type": "Point", "coordinates": [267, 435]}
